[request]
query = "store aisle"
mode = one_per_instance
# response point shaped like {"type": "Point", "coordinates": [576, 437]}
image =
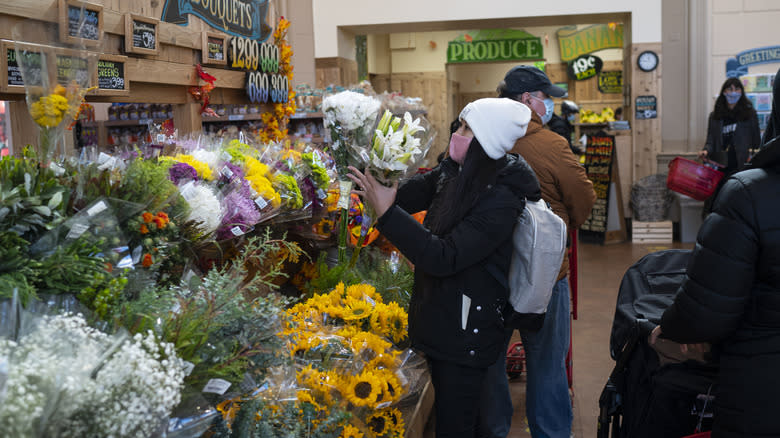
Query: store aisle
{"type": "Point", "coordinates": [601, 269]}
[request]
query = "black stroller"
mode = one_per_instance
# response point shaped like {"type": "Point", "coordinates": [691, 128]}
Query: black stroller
{"type": "Point", "coordinates": [643, 397]}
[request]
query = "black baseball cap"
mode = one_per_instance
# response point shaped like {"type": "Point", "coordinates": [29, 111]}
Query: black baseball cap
{"type": "Point", "coordinates": [527, 78]}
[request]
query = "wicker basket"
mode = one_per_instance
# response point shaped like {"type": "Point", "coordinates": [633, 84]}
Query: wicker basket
{"type": "Point", "coordinates": [651, 199]}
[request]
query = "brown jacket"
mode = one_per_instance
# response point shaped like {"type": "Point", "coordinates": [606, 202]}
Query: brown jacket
{"type": "Point", "coordinates": [565, 185]}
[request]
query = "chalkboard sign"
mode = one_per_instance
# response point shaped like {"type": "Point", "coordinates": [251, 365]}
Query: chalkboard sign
{"type": "Point", "coordinates": [10, 65]}
{"type": "Point", "coordinates": [611, 82]}
{"type": "Point", "coordinates": [214, 49]}
{"type": "Point", "coordinates": [598, 164]}
{"type": "Point", "coordinates": [141, 34]}
{"type": "Point", "coordinates": [111, 78]}
{"type": "Point", "coordinates": [71, 67]}
{"type": "Point", "coordinates": [81, 22]}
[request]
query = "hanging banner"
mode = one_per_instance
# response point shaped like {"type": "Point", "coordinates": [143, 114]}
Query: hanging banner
{"type": "Point", "coordinates": [241, 18]}
{"type": "Point", "coordinates": [598, 165]}
{"type": "Point", "coordinates": [495, 45]}
{"type": "Point", "coordinates": [574, 43]}
{"type": "Point", "coordinates": [611, 82]}
{"type": "Point", "coordinates": [584, 67]}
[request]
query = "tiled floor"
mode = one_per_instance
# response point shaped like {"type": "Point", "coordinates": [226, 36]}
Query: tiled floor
{"type": "Point", "coordinates": [601, 269]}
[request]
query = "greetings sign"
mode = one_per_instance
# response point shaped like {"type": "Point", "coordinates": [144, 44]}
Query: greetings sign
{"type": "Point", "coordinates": [241, 18]}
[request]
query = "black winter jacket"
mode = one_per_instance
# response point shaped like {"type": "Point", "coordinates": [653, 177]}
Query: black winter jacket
{"type": "Point", "coordinates": [731, 297]}
{"type": "Point", "coordinates": [452, 286]}
{"type": "Point", "coordinates": [747, 136]}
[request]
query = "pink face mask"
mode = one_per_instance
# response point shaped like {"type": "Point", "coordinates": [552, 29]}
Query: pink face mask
{"type": "Point", "coordinates": [459, 145]}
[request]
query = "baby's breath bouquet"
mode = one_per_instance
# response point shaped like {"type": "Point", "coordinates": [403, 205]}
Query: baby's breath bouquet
{"type": "Point", "coordinates": [66, 379]}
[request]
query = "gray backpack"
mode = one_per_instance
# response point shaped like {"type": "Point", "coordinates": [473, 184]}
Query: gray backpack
{"type": "Point", "coordinates": [538, 247]}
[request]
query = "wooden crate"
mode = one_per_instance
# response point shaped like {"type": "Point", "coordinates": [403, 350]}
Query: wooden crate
{"type": "Point", "coordinates": [415, 426]}
{"type": "Point", "coordinates": [651, 232]}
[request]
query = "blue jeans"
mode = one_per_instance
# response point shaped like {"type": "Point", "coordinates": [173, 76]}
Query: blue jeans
{"type": "Point", "coordinates": [548, 405]}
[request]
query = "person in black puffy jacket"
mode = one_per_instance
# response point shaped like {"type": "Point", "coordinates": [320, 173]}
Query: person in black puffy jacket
{"type": "Point", "coordinates": [473, 198]}
{"type": "Point", "coordinates": [731, 299]}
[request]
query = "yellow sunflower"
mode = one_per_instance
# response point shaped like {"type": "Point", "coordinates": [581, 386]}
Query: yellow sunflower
{"type": "Point", "coordinates": [364, 388]}
{"type": "Point", "coordinates": [397, 322]}
{"type": "Point", "coordinates": [392, 389]}
{"type": "Point", "coordinates": [337, 294]}
{"type": "Point", "coordinates": [356, 309]}
{"type": "Point", "coordinates": [368, 346]}
{"type": "Point", "coordinates": [396, 421]}
{"type": "Point", "coordinates": [388, 359]}
{"type": "Point", "coordinates": [347, 332]}
{"type": "Point", "coordinates": [364, 291]}
{"type": "Point", "coordinates": [378, 320]}
{"type": "Point", "coordinates": [351, 431]}
{"type": "Point", "coordinates": [378, 423]}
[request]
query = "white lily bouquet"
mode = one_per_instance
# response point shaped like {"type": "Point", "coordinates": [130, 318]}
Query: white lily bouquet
{"type": "Point", "coordinates": [349, 119]}
{"type": "Point", "coordinates": [395, 147]}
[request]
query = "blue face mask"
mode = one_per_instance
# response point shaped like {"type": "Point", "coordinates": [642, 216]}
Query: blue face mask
{"type": "Point", "coordinates": [732, 97]}
{"type": "Point", "coordinates": [549, 107]}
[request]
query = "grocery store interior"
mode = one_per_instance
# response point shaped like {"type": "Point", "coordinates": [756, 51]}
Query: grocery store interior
{"type": "Point", "coordinates": [170, 174]}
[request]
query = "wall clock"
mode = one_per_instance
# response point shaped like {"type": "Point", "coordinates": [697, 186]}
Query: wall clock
{"type": "Point", "coordinates": [647, 60]}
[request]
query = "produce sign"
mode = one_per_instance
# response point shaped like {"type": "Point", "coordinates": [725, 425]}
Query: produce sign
{"type": "Point", "coordinates": [240, 18]}
{"type": "Point", "coordinates": [598, 164]}
{"type": "Point", "coordinates": [574, 42]}
{"type": "Point", "coordinates": [261, 60]}
{"type": "Point", "coordinates": [496, 45]}
{"type": "Point", "coordinates": [611, 82]}
{"type": "Point", "coordinates": [585, 67]}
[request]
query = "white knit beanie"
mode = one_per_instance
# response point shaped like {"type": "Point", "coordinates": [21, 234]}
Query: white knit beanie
{"type": "Point", "coordinates": [497, 123]}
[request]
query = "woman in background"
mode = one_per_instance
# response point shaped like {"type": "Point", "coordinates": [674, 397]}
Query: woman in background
{"type": "Point", "coordinates": [732, 128]}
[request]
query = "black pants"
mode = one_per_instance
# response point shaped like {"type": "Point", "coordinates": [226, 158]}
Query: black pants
{"type": "Point", "coordinates": [458, 389]}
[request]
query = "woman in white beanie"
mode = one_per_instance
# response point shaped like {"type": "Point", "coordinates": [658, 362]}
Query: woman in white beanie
{"type": "Point", "coordinates": [473, 198]}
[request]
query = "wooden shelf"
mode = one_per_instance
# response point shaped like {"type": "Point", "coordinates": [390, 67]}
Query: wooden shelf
{"type": "Point", "coordinates": [116, 123]}
{"type": "Point", "coordinates": [233, 118]}
{"type": "Point", "coordinates": [307, 116]}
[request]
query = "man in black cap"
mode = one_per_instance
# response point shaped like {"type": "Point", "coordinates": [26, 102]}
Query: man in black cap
{"type": "Point", "coordinates": [566, 187]}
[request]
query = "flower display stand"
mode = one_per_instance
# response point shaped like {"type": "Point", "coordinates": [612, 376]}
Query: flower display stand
{"type": "Point", "coordinates": [422, 411]}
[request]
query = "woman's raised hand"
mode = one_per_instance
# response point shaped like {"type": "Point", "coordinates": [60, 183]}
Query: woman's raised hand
{"type": "Point", "coordinates": [379, 197]}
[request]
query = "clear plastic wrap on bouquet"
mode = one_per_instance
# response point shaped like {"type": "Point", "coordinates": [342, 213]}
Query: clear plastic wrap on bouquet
{"type": "Point", "coordinates": [258, 174]}
{"type": "Point", "coordinates": [205, 206]}
{"type": "Point", "coordinates": [349, 119]}
{"type": "Point", "coordinates": [64, 378]}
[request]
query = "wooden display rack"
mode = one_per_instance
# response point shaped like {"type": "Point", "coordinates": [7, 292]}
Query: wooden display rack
{"type": "Point", "coordinates": [161, 75]}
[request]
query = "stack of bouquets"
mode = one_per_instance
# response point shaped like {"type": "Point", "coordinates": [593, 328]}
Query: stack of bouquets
{"type": "Point", "coordinates": [350, 373]}
{"type": "Point", "coordinates": [60, 377]}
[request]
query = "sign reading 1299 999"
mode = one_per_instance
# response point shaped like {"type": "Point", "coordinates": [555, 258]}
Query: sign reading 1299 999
{"type": "Point", "coordinates": [261, 62]}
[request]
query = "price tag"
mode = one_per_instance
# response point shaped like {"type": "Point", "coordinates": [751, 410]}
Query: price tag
{"type": "Point", "coordinates": [261, 202]}
{"type": "Point", "coordinates": [236, 231]}
{"type": "Point", "coordinates": [188, 367]}
{"type": "Point", "coordinates": [226, 172]}
{"type": "Point", "coordinates": [76, 231]}
{"type": "Point", "coordinates": [217, 386]}
{"type": "Point", "coordinates": [234, 117]}
{"type": "Point", "coordinates": [97, 208]}
{"type": "Point", "coordinates": [321, 194]}
{"type": "Point", "coordinates": [160, 138]}
{"type": "Point", "coordinates": [144, 121]}
{"type": "Point", "coordinates": [226, 156]}
{"type": "Point", "coordinates": [137, 254]}
{"type": "Point", "coordinates": [345, 187]}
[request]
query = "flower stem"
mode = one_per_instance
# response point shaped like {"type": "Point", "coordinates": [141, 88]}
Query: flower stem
{"type": "Point", "coordinates": [343, 232]}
